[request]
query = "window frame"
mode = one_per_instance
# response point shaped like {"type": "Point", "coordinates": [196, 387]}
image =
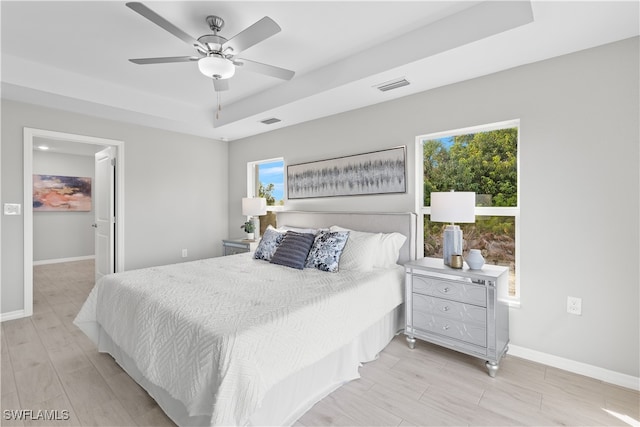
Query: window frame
{"type": "Point", "coordinates": [512, 211]}
{"type": "Point", "coordinates": [253, 180]}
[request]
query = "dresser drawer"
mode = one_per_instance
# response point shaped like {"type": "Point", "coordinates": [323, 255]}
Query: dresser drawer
{"type": "Point", "coordinates": [233, 250]}
{"type": "Point", "coordinates": [238, 246]}
{"type": "Point", "coordinates": [449, 309]}
{"type": "Point", "coordinates": [456, 290]}
{"type": "Point", "coordinates": [470, 332]}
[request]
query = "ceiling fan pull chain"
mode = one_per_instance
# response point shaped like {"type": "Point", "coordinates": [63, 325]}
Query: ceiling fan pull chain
{"type": "Point", "coordinates": [219, 106]}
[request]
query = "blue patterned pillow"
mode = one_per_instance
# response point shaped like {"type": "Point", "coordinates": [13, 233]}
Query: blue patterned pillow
{"type": "Point", "coordinates": [326, 250]}
{"type": "Point", "coordinates": [268, 244]}
{"type": "Point", "coordinates": [293, 250]}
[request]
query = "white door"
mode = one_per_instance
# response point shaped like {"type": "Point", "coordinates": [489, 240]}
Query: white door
{"type": "Point", "coordinates": [104, 197]}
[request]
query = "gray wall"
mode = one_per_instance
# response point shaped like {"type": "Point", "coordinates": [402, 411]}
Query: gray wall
{"type": "Point", "coordinates": [175, 191]}
{"type": "Point", "coordinates": [579, 187]}
{"type": "Point", "coordinates": [60, 235]}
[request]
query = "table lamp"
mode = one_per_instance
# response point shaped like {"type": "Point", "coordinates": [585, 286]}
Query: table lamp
{"type": "Point", "coordinates": [253, 207]}
{"type": "Point", "coordinates": [452, 206]}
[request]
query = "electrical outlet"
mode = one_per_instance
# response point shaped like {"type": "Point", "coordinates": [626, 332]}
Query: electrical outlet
{"type": "Point", "coordinates": [184, 253]}
{"type": "Point", "coordinates": [574, 305]}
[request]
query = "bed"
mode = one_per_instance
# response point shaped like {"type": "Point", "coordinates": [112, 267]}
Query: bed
{"type": "Point", "coordinates": [242, 341]}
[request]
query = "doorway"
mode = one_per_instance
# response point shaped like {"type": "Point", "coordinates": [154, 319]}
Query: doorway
{"type": "Point", "coordinates": [30, 135]}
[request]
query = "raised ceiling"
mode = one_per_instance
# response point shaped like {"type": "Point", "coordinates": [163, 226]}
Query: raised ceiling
{"type": "Point", "coordinates": [74, 55]}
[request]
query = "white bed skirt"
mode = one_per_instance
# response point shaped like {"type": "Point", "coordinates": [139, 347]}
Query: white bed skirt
{"type": "Point", "coordinates": [288, 400]}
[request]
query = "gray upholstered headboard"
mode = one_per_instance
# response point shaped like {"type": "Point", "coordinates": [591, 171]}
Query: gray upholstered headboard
{"type": "Point", "coordinates": [404, 223]}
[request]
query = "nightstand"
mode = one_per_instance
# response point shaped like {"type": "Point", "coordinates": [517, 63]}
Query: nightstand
{"type": "Point", "coordinates": [238, 246]}
{"type": "Point", "coordinates": [458, 308]}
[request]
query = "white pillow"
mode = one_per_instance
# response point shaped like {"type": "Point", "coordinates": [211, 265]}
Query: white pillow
{"type": "Point", "coordinates": [279, 230]}
{"type": "Point", "coordinates": [389, 251]}
{"type": "Point", "coordinates": [359, 252]}
{"type": "Point", "coordinates": [298, 229]}
{"type": "Point", "coordinates": [386, 248]}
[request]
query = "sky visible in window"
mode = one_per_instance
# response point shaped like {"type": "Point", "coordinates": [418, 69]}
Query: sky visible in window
{"type": "Point", "coordinates": [273, 172]}
{"type": "Point", "coordinates": [447, 142]}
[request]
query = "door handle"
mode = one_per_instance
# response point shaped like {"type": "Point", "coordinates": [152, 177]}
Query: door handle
{"type": "Point", "coordinates": [94, 225]}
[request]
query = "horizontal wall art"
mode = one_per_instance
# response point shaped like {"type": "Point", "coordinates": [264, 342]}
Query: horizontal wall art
{"type": "Point", "coordinates": [61, 193]}
{"type": "Point", "coordinates": [377, 172]}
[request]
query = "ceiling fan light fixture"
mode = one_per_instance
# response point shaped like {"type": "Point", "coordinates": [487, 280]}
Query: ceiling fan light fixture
{"type": "Point", "coordinates": [216, 67]}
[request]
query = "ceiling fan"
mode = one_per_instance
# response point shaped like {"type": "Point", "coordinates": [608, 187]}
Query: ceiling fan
{"type": "Point", "coordinates": [216, 54]}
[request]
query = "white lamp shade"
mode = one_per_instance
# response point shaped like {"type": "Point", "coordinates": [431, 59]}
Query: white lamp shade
{"type": "Point", "coordinates": [216, 66]}
{"type": "Point", "coordinates": [252, 206]}
{"type": "Point", "coordinates": [453, 206]}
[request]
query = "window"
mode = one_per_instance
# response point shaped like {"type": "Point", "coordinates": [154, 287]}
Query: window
{"type": "Point", "coordinates": [266, 179]}
{"type": "Point", "coordinates": [482, 159]}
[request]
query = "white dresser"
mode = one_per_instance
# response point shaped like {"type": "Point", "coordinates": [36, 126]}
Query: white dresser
{"type": "Point", "coordinates": [458, 308]}
{"type": "Point", "coordinates": [238, 246]}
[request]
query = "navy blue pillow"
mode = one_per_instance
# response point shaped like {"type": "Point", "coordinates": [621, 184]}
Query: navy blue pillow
{"type": "Point", "coordinates": [293, 250]}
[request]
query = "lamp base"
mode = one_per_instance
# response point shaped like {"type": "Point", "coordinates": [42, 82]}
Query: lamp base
{"type": "Point", "coordinates": [451, 243]}
{"type": "Point", "coordinates": [256, 223]}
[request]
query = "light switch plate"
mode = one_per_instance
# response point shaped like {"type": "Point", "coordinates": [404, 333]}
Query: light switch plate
{"type": "Point", "coordinates": [12, 208]}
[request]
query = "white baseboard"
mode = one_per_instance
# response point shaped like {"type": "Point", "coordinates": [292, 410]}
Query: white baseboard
{"type": "Point", "coordinates": [12, 315]}
{"type": "Point", "coordinates": [59, 260]}
{"type": "Point", "coordinates": [606, 375]}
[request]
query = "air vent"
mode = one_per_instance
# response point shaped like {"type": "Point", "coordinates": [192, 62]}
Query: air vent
{"type": "Point", "coordinates": [393, 84]}
{"type": "Point", "coordinates": [270, 121]}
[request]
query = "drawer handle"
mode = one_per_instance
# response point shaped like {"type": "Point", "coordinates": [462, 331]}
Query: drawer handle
{"type": "Point", "coordinates": [445, 328]}
{"type": "Point", "coordinates": [446, 290]}
{"type": "Point", "coordinates": [445, 308]}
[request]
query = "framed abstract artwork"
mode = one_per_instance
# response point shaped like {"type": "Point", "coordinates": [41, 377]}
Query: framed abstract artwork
{"type": "Point", "coordinates": [376, 172]}
{"type": "Point", "coordinates": [61, 193]}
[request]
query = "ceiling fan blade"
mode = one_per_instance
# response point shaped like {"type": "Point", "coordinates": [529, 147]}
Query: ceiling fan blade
{"type": "Point", "coordinates": [269, 70]}
{"type": "Point", "coordinates": [220, 85]}
{"type": "Point", "coordinates": [164, 24]}
{"type": "Point", "coordinates": [144, 61]}
{"type": "Point", "coordinates": [261, 30]}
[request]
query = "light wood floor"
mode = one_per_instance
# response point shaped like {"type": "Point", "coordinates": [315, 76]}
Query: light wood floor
{"type": "Point", "coordinates": [47, 363]}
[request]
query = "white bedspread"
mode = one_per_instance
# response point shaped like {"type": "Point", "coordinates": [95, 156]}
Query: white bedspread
{"type": "Point", "coordinates": [217, 334]}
